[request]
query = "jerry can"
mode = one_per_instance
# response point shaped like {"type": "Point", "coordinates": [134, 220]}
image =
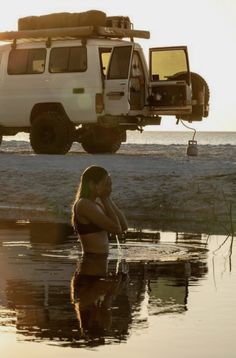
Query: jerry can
{"type": "Point", "coordinates": [192, 149]}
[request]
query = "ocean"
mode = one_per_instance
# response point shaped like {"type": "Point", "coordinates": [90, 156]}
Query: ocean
{"type": "Point", "coordinates": [165, 138]}
{"type": "Point", "coordinates": [168, 138]}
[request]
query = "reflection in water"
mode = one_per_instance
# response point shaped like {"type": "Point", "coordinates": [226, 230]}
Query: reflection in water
{"type": "Point", "coordinates": [100, 298]}
{"type": "Point", "coordinates": [49, 294]}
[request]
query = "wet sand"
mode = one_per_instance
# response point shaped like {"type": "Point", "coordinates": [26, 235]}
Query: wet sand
{"type": "Point", "coordinates": [157, 186]}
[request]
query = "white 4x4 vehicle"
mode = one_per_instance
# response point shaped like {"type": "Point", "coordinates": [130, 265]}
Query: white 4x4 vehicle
{"type": "Point", "coordinates": [72, 77]}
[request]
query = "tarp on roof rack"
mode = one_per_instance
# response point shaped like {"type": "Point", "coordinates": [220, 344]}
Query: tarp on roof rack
{"type": "Point", "coordinates": [63, 19]}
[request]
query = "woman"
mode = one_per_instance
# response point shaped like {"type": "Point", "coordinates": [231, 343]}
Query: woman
{"type": "Point", "coordinates": [94, 213]}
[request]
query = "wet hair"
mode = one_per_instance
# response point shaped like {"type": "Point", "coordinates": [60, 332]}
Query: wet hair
{"type": "Point", "coordinates": [93, 174]}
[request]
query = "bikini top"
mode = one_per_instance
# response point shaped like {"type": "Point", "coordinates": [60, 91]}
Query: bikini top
{"type": "Point", "coordinates": [89, 228]}
{"type": "Point", "coordinates": [84, 229]}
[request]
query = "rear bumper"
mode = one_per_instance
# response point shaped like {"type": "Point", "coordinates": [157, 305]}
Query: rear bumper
{"type": "Point", "coordinates": [129, 122]}
{"type": "Point", "coordinates": [168, 111]}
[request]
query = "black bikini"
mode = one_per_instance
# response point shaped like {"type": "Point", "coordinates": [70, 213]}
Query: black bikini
{"type": "Point", "coordinates": [89, 228]}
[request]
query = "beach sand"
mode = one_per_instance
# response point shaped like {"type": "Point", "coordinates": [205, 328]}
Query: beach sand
{"type": "Point", "coordinates": [157, 186]}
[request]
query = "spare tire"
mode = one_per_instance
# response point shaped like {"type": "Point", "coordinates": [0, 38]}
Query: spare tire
{"type": "Point", "coordinates": [198, 83]}
{"type": "Point", "coordinates": [199, 109]}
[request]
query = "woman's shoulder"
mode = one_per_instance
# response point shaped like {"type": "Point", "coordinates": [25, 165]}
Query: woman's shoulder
{"type": "Point", "coordinates": [85, 202]}
{"type": "Point", "coordinates": [82, 202]}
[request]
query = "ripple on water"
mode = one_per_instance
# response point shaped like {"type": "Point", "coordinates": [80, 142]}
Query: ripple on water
{"type": "Point", "coordinates": [156, 252]}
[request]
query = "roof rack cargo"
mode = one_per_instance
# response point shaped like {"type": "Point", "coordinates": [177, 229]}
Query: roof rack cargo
{"type": "Point", "coordinates": [63, 19]}
{"type": "Point", "coordinates": [93, 23]}
{"type": "Point", "coordinates": [67, 19]}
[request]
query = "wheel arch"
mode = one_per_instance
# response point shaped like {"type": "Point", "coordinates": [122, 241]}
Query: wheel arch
{"type": "Point", "coordinates": [39, 108]}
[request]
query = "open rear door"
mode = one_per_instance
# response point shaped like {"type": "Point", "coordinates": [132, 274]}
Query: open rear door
{"type": "Point", "coordinates": [117, 81]}
{"type": "Point", "coordinates": [170, 83]}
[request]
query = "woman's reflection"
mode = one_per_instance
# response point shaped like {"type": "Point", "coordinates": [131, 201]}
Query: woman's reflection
{"type": "Point", "coordinates": [94, 288]}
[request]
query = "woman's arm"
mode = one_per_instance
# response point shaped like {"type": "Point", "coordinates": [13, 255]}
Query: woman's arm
{"type": "Point", "coordinates": [120, 215]}
{"type": "Point", "coordinates": [107, 221]}
{"type": "Point", "coordinates": [114, 213]}
{"type": "Point", "coordinates": [110, 207]}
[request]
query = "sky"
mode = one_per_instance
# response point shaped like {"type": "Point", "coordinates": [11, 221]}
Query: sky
{"type": "Point", "coordinates": [207, 27]}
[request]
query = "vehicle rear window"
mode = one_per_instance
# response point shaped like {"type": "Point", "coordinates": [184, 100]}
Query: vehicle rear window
{"type": "Point", "coordinates": [26, 61]}
{"type": "Point", "coordinates": [68, 59]}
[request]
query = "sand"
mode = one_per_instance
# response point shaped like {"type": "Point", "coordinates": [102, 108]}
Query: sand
{"type": "Point", "coordinates": [157, 186]}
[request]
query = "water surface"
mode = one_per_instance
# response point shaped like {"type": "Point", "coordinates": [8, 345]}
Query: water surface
{"type": "Point", "coordinates": [162, 294]}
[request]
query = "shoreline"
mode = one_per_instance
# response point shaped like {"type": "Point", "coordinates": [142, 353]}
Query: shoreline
{"type": "Point", "coordinates": [180, 226]}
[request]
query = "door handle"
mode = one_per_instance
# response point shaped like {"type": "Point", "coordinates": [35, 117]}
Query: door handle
{"type": "Point", "coordinates": [115, 94]}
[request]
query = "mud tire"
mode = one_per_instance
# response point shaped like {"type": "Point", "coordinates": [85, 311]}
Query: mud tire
{"type": "Point", "coordinates": [51, 133]}
{"type": "Point", "coordinates": [101, 148]}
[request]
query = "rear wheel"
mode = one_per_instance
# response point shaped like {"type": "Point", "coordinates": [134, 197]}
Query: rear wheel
{"type": "Point", "coordinates": [51, 133]}
{"type": "Point", "coordinates": [102, 140]}
{"type": "Point", "coordinates": [99, 148]}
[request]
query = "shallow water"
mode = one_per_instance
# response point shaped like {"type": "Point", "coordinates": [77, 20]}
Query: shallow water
{"type": "Point", "coordinates": [166, 294]}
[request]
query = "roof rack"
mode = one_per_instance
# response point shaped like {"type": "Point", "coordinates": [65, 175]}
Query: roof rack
{"type": "Point", "coordinates": [75, 32]}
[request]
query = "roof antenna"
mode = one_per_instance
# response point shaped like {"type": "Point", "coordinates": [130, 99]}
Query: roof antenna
{"type": "Point", "coordinates": [192, 150]}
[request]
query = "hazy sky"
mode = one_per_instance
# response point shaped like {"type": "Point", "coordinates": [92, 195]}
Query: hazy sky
{"type": "Point", "coordinates": [207, 27]}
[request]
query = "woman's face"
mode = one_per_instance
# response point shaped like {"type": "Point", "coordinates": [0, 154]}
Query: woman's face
{"type": "Point", "coordinates": [103, 187]}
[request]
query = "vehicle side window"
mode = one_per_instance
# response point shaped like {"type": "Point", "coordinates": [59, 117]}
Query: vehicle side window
{"type": "Point", "coordinates": [26, 61]}
{"type": "Point", "coordinates": [105, 54]}
{"type": "Point", "coordinates": [119, 64]}
{"type": "Point", "coordinates": [136, 66]}
{"type": "Point", "coordinates": [68, 59]}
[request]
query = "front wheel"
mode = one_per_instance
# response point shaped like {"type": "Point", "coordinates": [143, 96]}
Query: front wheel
{"type": "Point", "coordinates": [51, 133]}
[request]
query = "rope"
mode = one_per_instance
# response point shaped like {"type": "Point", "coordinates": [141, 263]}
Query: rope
{"type": "Point", "coordinates": [192, 129]}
